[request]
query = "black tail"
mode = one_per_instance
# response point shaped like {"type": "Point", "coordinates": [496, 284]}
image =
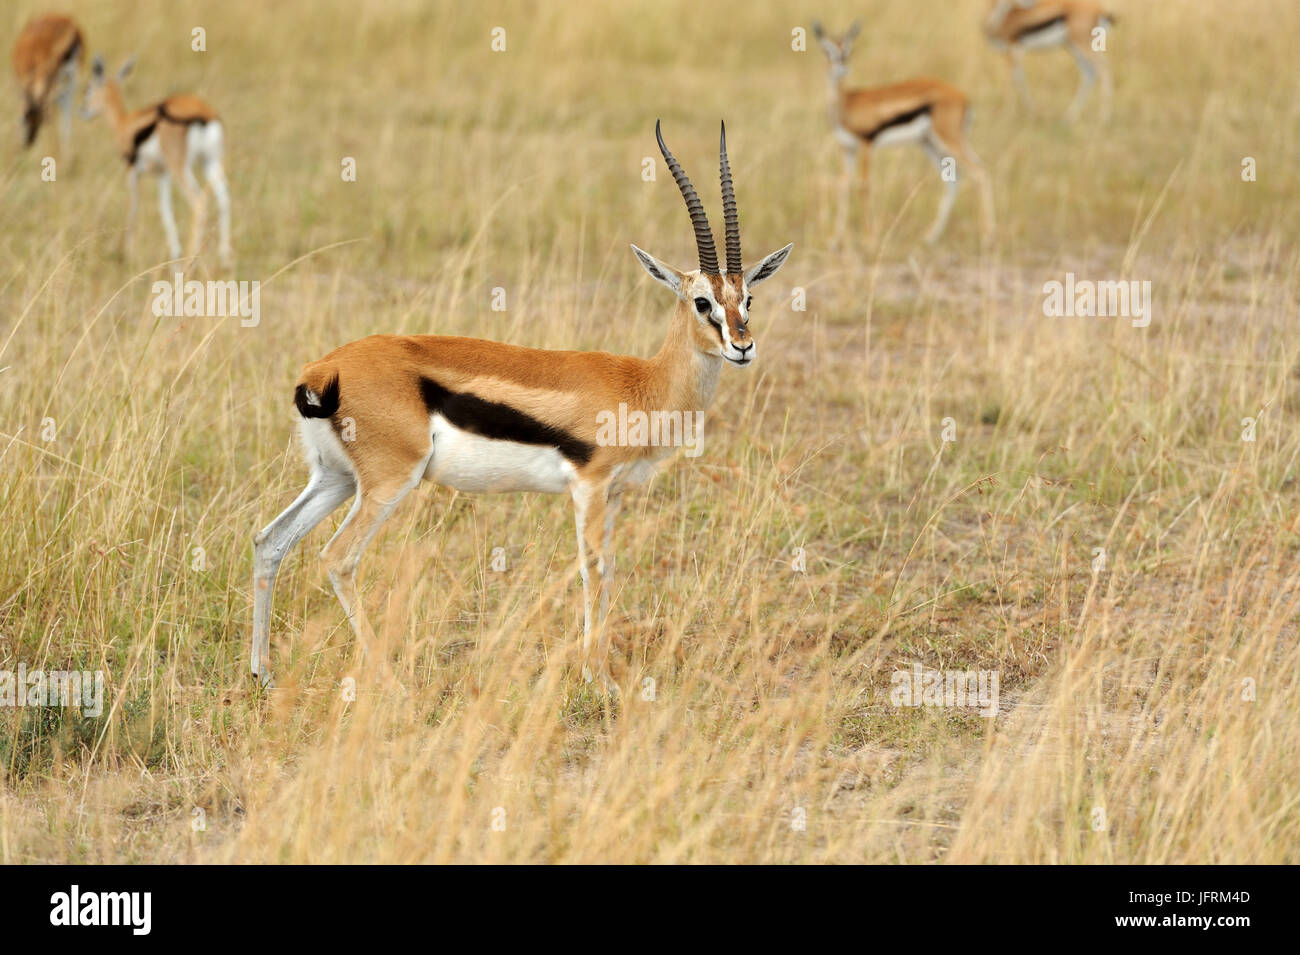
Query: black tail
{"type": "Point", "coordinates": [324, 407]}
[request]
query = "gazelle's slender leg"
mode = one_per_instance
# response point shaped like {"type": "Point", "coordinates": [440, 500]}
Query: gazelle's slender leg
{"type": "Point", "coordinates": [613, 504]}
{"type": "Point", "coordinates": [168, 216]}
{"type": "Point", "coordinates": [216, 177]}
{"type": "Point", "coordinates": [324, 493]}
{"type": "Point", "coordinates": [590, 507]}
{"type": "Point", "coordinates": [864, 184]}
{"type": "Point", "coordinates": [1107, 86]}
{"type": "Point", "coordinates": [198, 203]}
{"type": "Point", "coordinates": [68, 85]}
{"type": "Point", "coordinates": [937, 151]}
{"type": "Point", "coordinates": [132, 204]}
{"type": "Point", "coordinates": [846, 184]}
{"type": "Point", "coordinates": [342, 554]}
{"type": "Point", "coordinates": [1087, 77]}
{"type": "Point", "coordinates": [1016, 58]}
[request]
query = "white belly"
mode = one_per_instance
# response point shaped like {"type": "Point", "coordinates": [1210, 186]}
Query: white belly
{"type": "Point", "coordinates": [905, 132]}
{"type": "Point", "coordinates": [1044, 39]}
{"type": "Point", "coordinates": [149, 155]}
{"type": "Point", "coordinates": [468, 462]}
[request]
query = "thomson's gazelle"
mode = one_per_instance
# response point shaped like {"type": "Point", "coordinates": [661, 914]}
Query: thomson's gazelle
{"type": "Point", "coordinates": [166, 139]}
{"type": "Point", "coordinates": [383, 413]}
{"type": "Point", "coordinates": [47, 55]}
{"type": "Point", "coordinates": [930, 113]}
{"type": "Point", "coordinates": [1018, 25]}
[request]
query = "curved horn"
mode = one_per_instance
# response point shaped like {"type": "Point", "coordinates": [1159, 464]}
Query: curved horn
{"type": "Point", "coordinates": [703, 234]}
{"type": "Point", "coordinates": [729, 212]}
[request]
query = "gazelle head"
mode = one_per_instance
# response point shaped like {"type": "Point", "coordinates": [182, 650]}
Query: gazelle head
{"type": "Point", "coordinates": [99, 85]}
{"type": "Point", "coordinates": [720, 303]}
{"type": "Point", "coordinates": [837, 49]}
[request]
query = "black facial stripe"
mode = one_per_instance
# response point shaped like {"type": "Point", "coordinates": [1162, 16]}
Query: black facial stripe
{"type": "Point", "coordinates": [717, 326]}
{"type": "Point", "coordinates": [491, 419]}
{"type": "Point", "coordinates": [900, 120]}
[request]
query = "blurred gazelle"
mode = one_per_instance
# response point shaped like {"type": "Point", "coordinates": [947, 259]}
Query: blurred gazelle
{"type": "Point", "coordinates": [166, 139]}
{"type": "Point", "coordinates": [383, 413]}
{"type": "Point", "coordinates": [47, 55]}
{"type": "Point", "coordinates": [1018, 25]}
{"type": "Point", "coordinates": [931, 113]}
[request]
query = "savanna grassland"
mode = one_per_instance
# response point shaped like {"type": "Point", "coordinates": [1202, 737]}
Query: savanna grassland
{"type": "Point", "coordinates": [1099, 533]}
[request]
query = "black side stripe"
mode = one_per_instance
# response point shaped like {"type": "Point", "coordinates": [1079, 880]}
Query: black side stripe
{"type": "Point", "coordinates": [1039, 27]}
{"type": "Point", "coordinates": [901, 119]}
{"type": "Point", "coordinates": [141, 134]}
{"type": "Point", "coordinates": [162, 112]}
{"type": "Point", "coordinates": [490, 419]}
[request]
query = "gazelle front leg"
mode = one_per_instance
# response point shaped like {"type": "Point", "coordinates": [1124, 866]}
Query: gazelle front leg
{"type": "Point", "coordinates": [1016, 57]}
{"type": "Point", "coordinates": [594, 517]}
{"type": "Point", "coordinates": [849, 145]}
{"type": "Point", "coordinates": [168, 216]}
{"type": "Point", "coordinates": [133, 203]}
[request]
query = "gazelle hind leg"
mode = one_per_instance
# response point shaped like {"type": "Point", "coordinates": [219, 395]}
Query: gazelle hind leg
{"type": "Point", "coordinates": [216, 178]}
{"type": "Point", "coordinates": [966, 155]}
{"type": "Point", "coordinates": [1087, 79]}
{"type": "Point", "coordinates": [198, 202]}
{"type": "Point", "coordinates": [938, 152]}
{"type": "Point", "coordinates": [322, 496]}
{"type": "Point", "coordinates": [374, 505]}
{"type": "Point", "coordinates": [1016, 59]}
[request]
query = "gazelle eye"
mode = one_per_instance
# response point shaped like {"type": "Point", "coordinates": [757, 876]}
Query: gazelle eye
{"type": "Point", "coordinates": [748, 302]}
{"type": "Point", "coordinates": [703, 306]}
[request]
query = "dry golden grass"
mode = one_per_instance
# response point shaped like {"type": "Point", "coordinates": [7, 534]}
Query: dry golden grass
{"type": "Point", "coordinates": [1122, 689]}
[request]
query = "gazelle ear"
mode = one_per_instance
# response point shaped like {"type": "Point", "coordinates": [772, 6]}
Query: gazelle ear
{"type": "Point", "coordinates": [818, 32]}
{"type": "Point", "coordinates": [853, 30]}
{"type": "Point", "coordinates": [126, 67]}
{"type": "Point", "coordinates": [767, 268]}
{"type": "Point", "coordinates": [666, 274]}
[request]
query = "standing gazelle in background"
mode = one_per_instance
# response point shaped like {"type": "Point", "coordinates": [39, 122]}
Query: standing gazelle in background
{"type": "Point", "coordinates": [47, 56]}
{"type": "Point", "coordinates": [484, 416]}
{"type": "Point", "coordinates": [1018, 25]}
{"type": "Point", "coordinates": [933, 114]}
{"type": "Point", "coordinates": [166, 139]}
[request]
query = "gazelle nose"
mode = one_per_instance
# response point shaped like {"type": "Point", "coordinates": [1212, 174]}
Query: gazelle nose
{"type": "Point", "coordinates": [745, 348]}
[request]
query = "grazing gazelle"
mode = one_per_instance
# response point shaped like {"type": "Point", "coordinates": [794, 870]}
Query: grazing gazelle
{"type": "Point", "coordinates": [166, 139]}
{"type": "Point", "coordinates": [931, 113]}
{"type": "Point", "coordinates": [383, 413]}
{"type": "Point", "coordinates": [47, 56]}
{"type": "Point", "coordinates": [1018, 25]}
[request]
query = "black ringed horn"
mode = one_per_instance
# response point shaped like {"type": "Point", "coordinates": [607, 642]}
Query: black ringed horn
{"type": "Point", "coordinates": [729, 213]}
{"type": "Point", "coordinates": [703, 234]}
